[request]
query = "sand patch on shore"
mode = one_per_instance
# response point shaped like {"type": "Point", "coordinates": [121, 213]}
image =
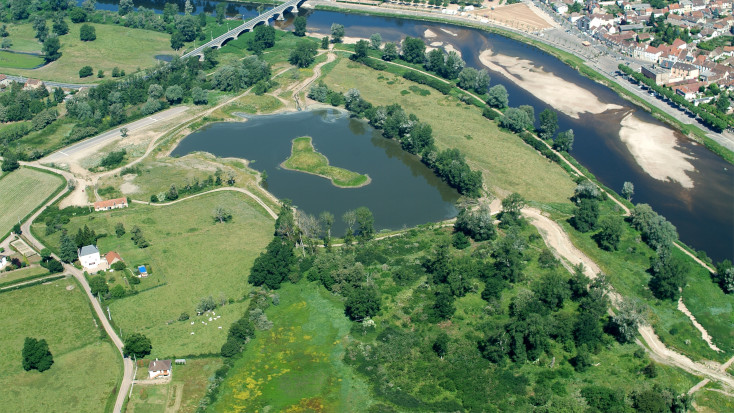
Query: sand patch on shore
{"type": "Point", "coordinates": [653, 147]}
{"type": "Point", "coordinates": [562, 95]}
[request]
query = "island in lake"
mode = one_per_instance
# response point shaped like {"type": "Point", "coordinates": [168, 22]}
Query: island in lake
{"type": "Point", "coordinates": [304, 158]}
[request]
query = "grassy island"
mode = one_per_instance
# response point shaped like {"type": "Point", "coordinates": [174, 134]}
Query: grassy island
{"type": "Point", "coordinates": [304, 158]}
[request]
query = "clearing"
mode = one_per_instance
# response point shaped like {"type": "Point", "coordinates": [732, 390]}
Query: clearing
{"type": "Point", "coordinates": [507, 163]}
{"type": "Point", "coordinates": [105, 53]}
{"type": "Point", "coordinates": [305, 158]}
{"type": "Point", "coordinates": [86, 369]}
{"type": "Point", "coordinates": [23, 190]}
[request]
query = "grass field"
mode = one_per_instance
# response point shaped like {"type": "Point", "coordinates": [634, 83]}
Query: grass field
{"type": "Point", "coordinates": [19, 60]}
{"type": "Point", "coordinates": [50, 137]}
{"type": "Point", "coordinates": [507, 164]}
{"type": "Point", "coordinates": [105, 53]}
{"type": "Point", "coordinates": [305, 158]}
{"type": "Point", "coordinates": [250, 104]}
{"type": "Point", "coordinates": [22, 191]}
{"type": "Point", "coordinates": [186, 388]}
{"type": "Point", "coordinates": [86, 369]}
{"type": "Point", "coordinates": [297, 365]}
{"type": "Point", "coordinates": [191, 257]}
{"type": "Point", "coordinates": [11, 276]}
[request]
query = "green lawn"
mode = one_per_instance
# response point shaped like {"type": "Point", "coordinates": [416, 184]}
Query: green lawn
{"type": "Point", "coordinates": [305, 158]}
{"type": "Point", "coordinates": [11, 276]}
{"type": "Point", "coordinates": [22, 191]}
{"type": "Point", "coordinates": [86, 369]}
{"type": "Point", "coordinates": [186, 388]}
{"type": "Point", "coordinates": [297, 365]}
{"type": "Point", "coordinates": [507, 164]}
{"type": "Point", "coordinates": [191, 257]}
{"type": "Point", "coordinates": [23, 38]}
{"type": "Point", "coordinates": [106, 52]}
{"type": "Point", "coordinates": [19, 60]}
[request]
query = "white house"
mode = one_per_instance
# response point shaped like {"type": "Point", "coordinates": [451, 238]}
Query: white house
{"type": "Point", "coordinates": [3, 261]}
{"type": "Point", "coordinates": [89, 257]}
{"type": "Point", "coordinates": [159, 368]}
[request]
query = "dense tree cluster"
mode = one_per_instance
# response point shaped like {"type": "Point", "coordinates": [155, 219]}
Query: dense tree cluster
{"type": "Point", "coordinates": [36, 355]}
{"type": "Point", "coordinates": [656, 231]}
{"type": "Point", "coordinates": [136, 345]}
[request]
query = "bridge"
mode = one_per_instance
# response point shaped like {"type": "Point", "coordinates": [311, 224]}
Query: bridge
{"type": "Point", "coordinates": [272, 14]}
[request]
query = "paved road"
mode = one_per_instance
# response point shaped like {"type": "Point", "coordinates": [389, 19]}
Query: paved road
{"type": "Point", "coordinates": [127, 378]}
{"type": "Point", "coordinates": [22, 79]}
{"type": "Point", "coordinates": [108, 136]}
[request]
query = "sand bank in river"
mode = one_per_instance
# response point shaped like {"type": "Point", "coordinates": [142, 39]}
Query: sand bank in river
{"type": "Point", "coordinates": [561, 94]}
{"type": "Point", "coordinates": [653, 147]}
{"type": "Point", "coordinates": [429, 34]}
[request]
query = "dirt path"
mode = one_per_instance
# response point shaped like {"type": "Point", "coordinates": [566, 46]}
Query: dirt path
{"type": "Point", "coordinates": [330, 57]}
{"type": "Point", "coordinates": [35, 280]}
{"type": "Point", "coordinates": [560, 243]}
{"type": "Point", "coordinates": [704, 334]}
{"type": "Point", "coordinates": [241, 190]}
{"type": "Point", "coordinates": [177, 393]}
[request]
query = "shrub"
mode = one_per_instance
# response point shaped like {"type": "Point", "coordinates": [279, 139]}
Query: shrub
{"type": "Point", "coordinates": [85, 71]}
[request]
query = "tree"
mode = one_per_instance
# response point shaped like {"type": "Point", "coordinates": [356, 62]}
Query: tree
{"type": "Point", "coordinates": [123, 131]}
{"type": "Point", "coordinates": [668, 275]}
{"type": "Point", "coordinates": [264, 38]}
{"type": "Point", "coordinates": [611, 232]}
{"type": "Point", "coordinates": [299, 26]}
{"type": "Point", "coordinates": [78, 15]}
{"type": "Point", "coordinates": [586, 215]}
{"type": "Point", "coordinates": [548, 123]}
{"type": "Point", "coordinates": [177, 40]}
{"type": "Point", "coordinates": [136, 345]}
{"type": "Point", "coordinates": [174, 93]}
{"type": "Point", "coordinates": [627, 318]}
{"type": "Point", "coordinates": [414, 50]}
{"type": "Point", "coordinates": [477, 224]}
{"type": "Point", "coordinates": [36, 355]}
{"type": "Point", "coordinates": [221, 214]}
{"type": "Point", "coordinates": [172, 193]}
{"type": "Point", "coordinates": [242, 329]}
{"type": "Point", "coordinates": [564, 141]}
{"type": "Point", "coordinates": [98, 286]}
{"type": "Point", "coordinates": [441, 345]}
{"type": "Point", "coordinates": [512, 205]}
{"type": "Point", "coordinates": [87, 33]}
{"type": "Point", "coordinates": [10, 163]}
{"type": "Point", "coordinates": [303, 54]}
{"type": "Point", "coordinates": [443, 307]}
{"type": "Point", "coordinates": [362, 303]}
{"type": "Point", "coordinates": [337, 33]}
{"type": "Point", "coordinates": [552, 290]}
{"type": "Point", "coordinates": [366, 223]}
{"type": "Point", "coordinates": [325, 42]}
{"type": "Point", "coordinates": [376, 41]}
{"type": "Point", "coordinates": [390, 52]}
{"type": "Point", "coordinates": [725, 276]}
{"type": "Point", "coordinates": [273, 265]}
{"type": "Point", "coordinates": [126, 6]}
{"type": "Point", "coordinates": [67, 248]}
{"type": "Point", "coordinates": [360, 49]}
{"type": "Point", "coordinates": [119, 229]}
{"type": "Point", "coordinates": [515, 119]}
{"type": "Point", "coordinates": [85, 71]}
{"type": "Point", "coordinates": [723, 103]}
{"type": "Point", "coordinates": [498, 97]}
{"type": "Point", "coordinates": [60, 27]}
{"type": "Point", "coordinates": [628, 189]}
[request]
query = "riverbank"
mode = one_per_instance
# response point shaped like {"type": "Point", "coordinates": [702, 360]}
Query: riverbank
{"type": "Point", "coordinates": [577, 63]}
{"type": "Point", "coordinates": [305, 158]}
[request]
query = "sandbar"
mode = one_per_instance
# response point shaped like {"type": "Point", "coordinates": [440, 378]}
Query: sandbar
{"type": "Point", "coordinates": [558, 93]}
{"type": "Point", "coordinates": [654, 149]}
{"type": "Point", "coordinates": [429, 34]}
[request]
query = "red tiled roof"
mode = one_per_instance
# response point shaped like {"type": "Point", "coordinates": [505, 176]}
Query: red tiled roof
{"type": "Point", "coordinates": [110, 202]}
{"type": "Point", "coordinates": [111, 256]}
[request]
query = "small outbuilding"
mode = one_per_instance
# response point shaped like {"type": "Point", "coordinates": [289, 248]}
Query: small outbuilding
{"type": "Point", "coordinates": [159, 368]}
{"type": "Point", "coordinates": [143, 271]}
{"type": "Point", "coordinates": [3, 261]}
{"type": "Point", "coordinates": [112, 257]}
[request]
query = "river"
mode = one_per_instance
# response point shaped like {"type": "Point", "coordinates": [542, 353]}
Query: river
{"type": "Point", "coordinates": [616, 141]}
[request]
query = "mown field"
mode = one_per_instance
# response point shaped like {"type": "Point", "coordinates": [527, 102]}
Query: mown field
{"type": "Point", "coordinates": [106, 52]}
{"type": "Point", "coordinates": [190, 257]}
{"type": "Point", "coordinates": [86, 369]}
{"type": "Point", "coordinates": [507, 164]}
{"type": "Point", "coordinates": [182, 394]}
{"type": "Point", "coordinates": [22, 191]}
{"type": "Point", "coordinates": [305, 158]}
{"type": "Point", "coordinates": [297, 365]}
{"type": "Point", "coordinates": [19, 60]}
{"type": "Point", "coordinates": [10, 277]}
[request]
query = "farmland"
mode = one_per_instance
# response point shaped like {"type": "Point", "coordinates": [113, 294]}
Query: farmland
{"type": "Point", "coordinates": [22, 191]}
{"type": "Point", "coordinates": [86, 368]}
{"type": "Point", "coordinates": [189, 257]}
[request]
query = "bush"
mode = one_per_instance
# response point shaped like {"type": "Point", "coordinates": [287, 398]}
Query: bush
{"type": "Point", "coordinates": [87, 33]}
{"type": "Point", "coordinates": [437, 84]}
{"type": "Point", "coordinates": [85, 71]}
{"type": "Point", "coordinates": [183, 317]}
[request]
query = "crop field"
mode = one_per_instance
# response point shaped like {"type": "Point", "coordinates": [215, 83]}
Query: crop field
{"type": "Point", "coordinates": [297, 365]}
{"type": "Point", "coordinates": [507, 164]}
{"type": "Point", "coordinates": [22, 191]}
{"type": "Point", "coordinates": [182, 394]}
{"type": "Point", "coordinates": [305, 158]}
{"type": "Point", "coordinates": [106, 52]}
{"type": "Point", "coordinates": [190, 257]}
{"type": "Point", "coordinates": [86, 369]}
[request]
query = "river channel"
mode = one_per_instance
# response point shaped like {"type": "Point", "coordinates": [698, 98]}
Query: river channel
{"type": "Point", "coordinates": [615, 140]}
{"type": "Point", "coordinates": [402, 193]}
